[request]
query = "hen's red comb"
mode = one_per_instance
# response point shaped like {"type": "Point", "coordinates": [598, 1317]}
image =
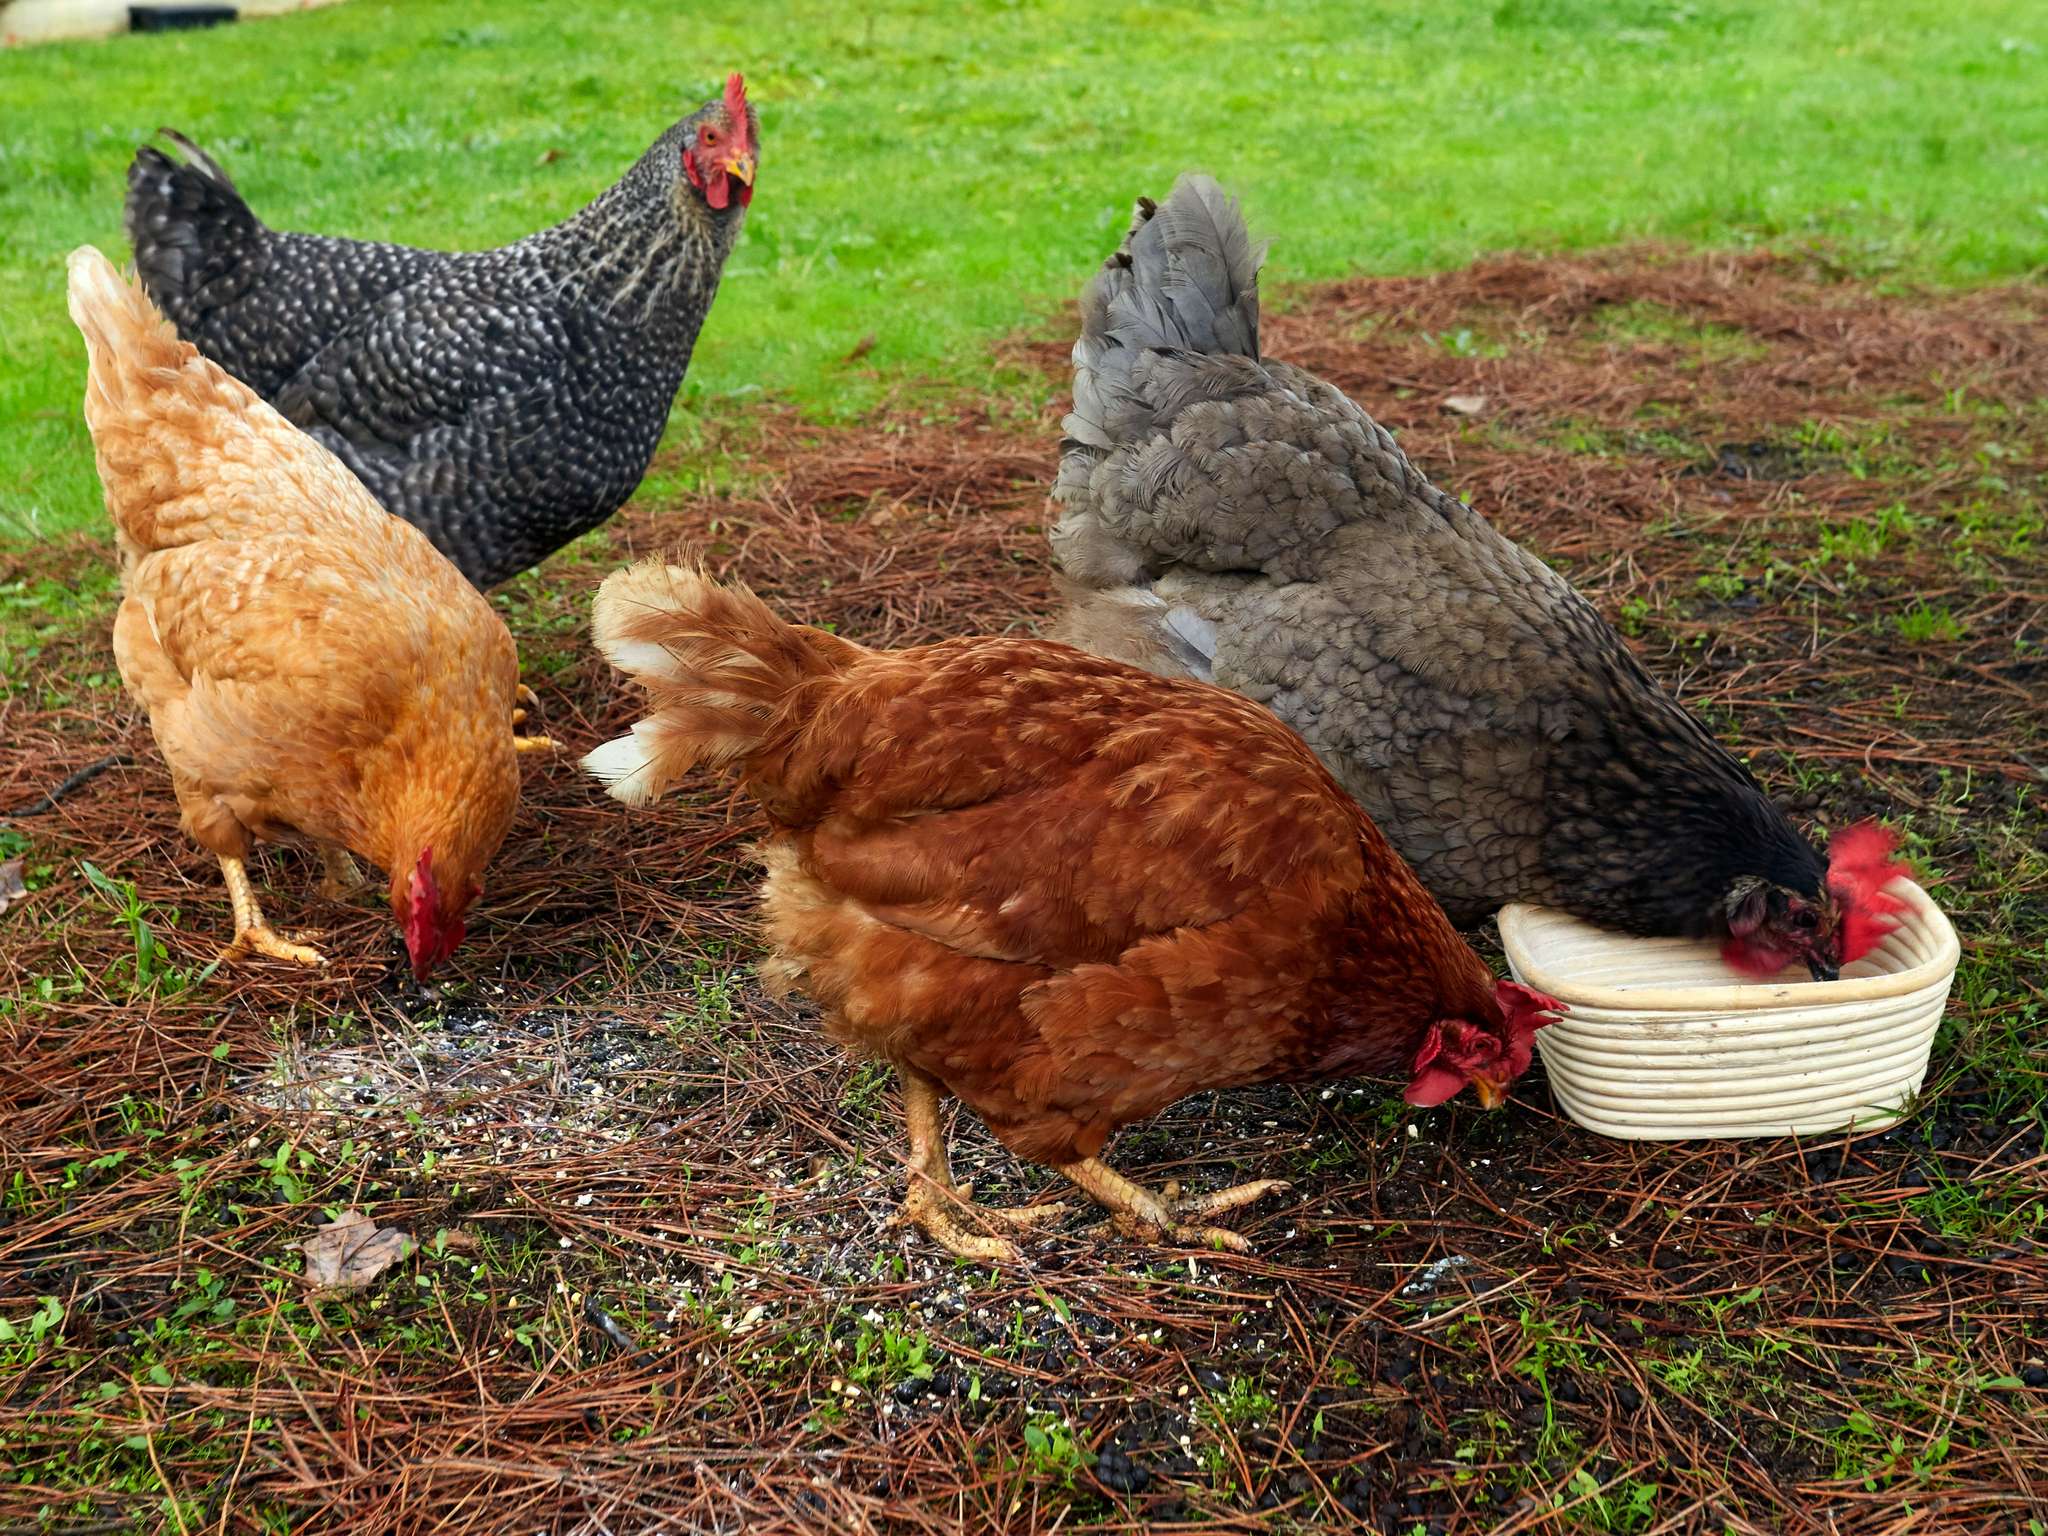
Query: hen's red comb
{"type": "Point", "coordinates": [736, 100]}
{"type": "Point", "coordinates": [1860, 866]}
{"type": "Point", "coordinates": [1527, 1011]}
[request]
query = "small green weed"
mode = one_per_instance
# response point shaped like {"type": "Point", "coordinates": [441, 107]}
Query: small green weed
{"type": "Point", "coordinates": [1926, 624]}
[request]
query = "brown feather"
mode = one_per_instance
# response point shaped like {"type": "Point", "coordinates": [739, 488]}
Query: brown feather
{"type": "Point", "coordinates": [1071, 891]}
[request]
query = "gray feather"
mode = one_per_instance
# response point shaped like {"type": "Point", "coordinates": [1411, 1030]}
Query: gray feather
{"type": "Point", "coordinates": [501, 401]}
{"type": "Point", "coordinates": [1232, 518]}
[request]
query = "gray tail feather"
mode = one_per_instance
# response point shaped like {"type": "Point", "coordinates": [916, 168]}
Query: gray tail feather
{"type": "Point", "coordinates": [1185, 279]}
{"type": "Point", "coordinates": [185, 220]}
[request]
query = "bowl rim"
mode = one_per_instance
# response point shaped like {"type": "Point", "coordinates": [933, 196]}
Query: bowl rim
{"type": "Point", "coordinates": [1746, 996]}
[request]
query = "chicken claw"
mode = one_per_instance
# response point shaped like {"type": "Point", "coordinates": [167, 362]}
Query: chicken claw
{"type": "Point", "coordinates": [253, 933]}
{"type": "Point", "coordinates": [935, 1205]}
{"type": "Point", "coordinates": [1217, 1201]}
{"type": "Point", "coordinates": [527, 701]}
{"type": "Point", "coordinates": [937, 1214]}
{"type": "Point", "coordinates": [1138, 1213]}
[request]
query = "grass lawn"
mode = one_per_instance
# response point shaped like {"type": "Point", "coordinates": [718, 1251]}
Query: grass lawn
{"type": "Point", "coordinates": [936, 174]}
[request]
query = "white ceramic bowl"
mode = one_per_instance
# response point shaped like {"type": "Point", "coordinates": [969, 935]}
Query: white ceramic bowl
{"type": "Point", "coordinates": [1665, 1043]}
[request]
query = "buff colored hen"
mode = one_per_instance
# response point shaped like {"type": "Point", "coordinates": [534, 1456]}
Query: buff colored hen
{"type": "Point", "coordinates": [314, 671]}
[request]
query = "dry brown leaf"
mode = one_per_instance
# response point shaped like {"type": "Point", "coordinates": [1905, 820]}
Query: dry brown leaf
{"type": "Point", "coordinates": [351, 1251]}
{"type": "Point", "coordinates": [1465, 405]}
{"type": "Point", "coordinates": [12, 887]}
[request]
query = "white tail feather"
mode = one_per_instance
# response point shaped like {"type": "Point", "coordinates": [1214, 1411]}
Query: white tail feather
{"type": "Point", "coordinates": [625, 766]}
{"type": "Point", "coordinates": [717, 666]}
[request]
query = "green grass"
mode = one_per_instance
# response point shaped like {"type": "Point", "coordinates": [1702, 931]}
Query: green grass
{"type": "Point", "coordinates": [936, 174]}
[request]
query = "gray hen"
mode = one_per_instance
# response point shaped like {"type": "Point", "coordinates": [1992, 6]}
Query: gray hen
{"type": "Point", "coordinates": [501, 401]}
{"type": "Point", "coordinates": [1236, 519]}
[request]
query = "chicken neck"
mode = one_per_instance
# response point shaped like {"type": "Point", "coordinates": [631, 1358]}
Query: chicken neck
{"type": "Point", "coordinates": [646, 251]}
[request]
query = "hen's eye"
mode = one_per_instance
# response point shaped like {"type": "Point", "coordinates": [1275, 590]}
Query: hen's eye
{"type": "Point", "coordinates": [710, 137]}
{"type": "Point", "coordinates": [1806, 917]}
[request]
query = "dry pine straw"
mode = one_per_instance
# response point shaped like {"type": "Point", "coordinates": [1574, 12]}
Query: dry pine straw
{"type": "Point", "coordinates": [665, 1291]}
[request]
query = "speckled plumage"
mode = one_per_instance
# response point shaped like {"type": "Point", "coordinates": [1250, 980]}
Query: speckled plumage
{"type": "Point", "coordinates": [501, 401]}
{"type": "Point", "coordinates": [1237, 519]}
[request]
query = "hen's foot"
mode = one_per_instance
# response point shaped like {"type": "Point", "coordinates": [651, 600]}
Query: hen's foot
{"type": "Point", "coordinates": [1025, 1216]}
{"type": "Point", "coordinates": [958, 1225]}
{"type": "Point", "coordinates": [526, 704]}
{"type": "Point", "coordinates": [1139, 1213]}
{"type": "Point", "coordinates": [938, 1209]}
{"type": "Point", "coordinates": [343, 878]}
{"type": "Point", "coordinates": [253, 933]}
{"type": "Point", "coordinates": [272, 945]}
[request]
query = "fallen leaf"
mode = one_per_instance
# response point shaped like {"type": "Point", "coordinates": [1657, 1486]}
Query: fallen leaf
{"type": "Point", "coordinates": [861, 349]}
{"type": "Point", "coordinates": [351, 1251]}
{"type": "Point", "coordinates": [12, 887]}
{"type": "Point", "coordinates": [547, 157]}
{"type": "Point", "coordinates": [1464, 405]}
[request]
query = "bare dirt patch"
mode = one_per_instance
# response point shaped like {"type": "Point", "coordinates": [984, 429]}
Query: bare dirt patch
{"type": "Point", "coordinates": [656, 1288]}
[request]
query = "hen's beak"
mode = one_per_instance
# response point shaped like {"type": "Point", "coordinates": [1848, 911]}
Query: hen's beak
{"type": "Point", "coordinates": [741, 166]}
{"type": "Point", "coordinates": [1491, 1094]}
{"type": "Point", "coordinates": [1823, 969]}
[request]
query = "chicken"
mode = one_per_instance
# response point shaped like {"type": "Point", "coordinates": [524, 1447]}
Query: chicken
{"type": "Point", "coordinates": [314, 671]}
{"type": "Point", "coordinates": [1234, 519]}
{"type": "Point", "coordinates": [1060, 888]}
{"type": "Point", "coordinates": [501, 401]}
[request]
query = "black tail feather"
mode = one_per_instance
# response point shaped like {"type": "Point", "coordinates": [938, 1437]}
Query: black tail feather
{"type": "Point", "coordinates": [188, 225]}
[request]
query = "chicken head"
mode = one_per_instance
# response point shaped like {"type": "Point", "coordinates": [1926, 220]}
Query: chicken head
{"type": "Point", "coordinates": [1488, 1055]}
{"type": "Point", "coordinates": [720, 158]}
{"type": "Point", "coordinates": [433, 924]}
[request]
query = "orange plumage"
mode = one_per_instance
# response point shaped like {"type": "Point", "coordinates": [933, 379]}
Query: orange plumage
{"type": "Point", "coordinates": [1067, 890]}
{"type": "Point", "coordinates": [314, 670]}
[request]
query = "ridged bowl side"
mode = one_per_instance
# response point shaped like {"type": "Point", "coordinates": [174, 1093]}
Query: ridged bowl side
{"type": "Point", "coordinates": [1664, 1043]}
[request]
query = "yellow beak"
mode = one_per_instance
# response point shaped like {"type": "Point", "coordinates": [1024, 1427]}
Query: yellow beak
{"type": "Point", "coordinates": [741, 166]}
{"type": "Point", "coordinates": [1491, 1095]}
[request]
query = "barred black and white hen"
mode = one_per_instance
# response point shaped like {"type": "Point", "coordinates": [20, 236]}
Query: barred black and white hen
{"type": "Point", "coordinates": [1236, 519]}
{"type": "Point", "coordinates": [501, 401]}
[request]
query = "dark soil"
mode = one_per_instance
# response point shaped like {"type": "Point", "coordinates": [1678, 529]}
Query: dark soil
{"type": "Point", "coordinates": [664, 1294]}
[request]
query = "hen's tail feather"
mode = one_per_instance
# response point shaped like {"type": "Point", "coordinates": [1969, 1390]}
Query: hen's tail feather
{"type": "Point", "coordinates": [135, 364]}
{"type": "Point", "coordinates": [185, 220]}
{"type": "Point", "coordinates": [1185, 279]}
{"type": "Point", "coordinates": [719, 669]}
{"type": "Point", "coordinates": [123, 332]}
{"type": "Point", "coordinates": [166, 423]}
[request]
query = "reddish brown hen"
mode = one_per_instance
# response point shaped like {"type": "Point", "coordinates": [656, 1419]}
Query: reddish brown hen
{"type": "Point", "coordinates": [1063, 889]}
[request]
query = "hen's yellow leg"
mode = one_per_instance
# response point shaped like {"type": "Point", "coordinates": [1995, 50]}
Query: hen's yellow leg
{"type": "Point", "coordinates": [253, 935]}
{"type": "Point", "coordinates": [528, 700]}
{"type": "Point", "coordinates": [342, 879]}
{"type": "Point", "coordinates": [932, 1203]}
{"type": "Point", "coordinates": [1138, 1212]}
